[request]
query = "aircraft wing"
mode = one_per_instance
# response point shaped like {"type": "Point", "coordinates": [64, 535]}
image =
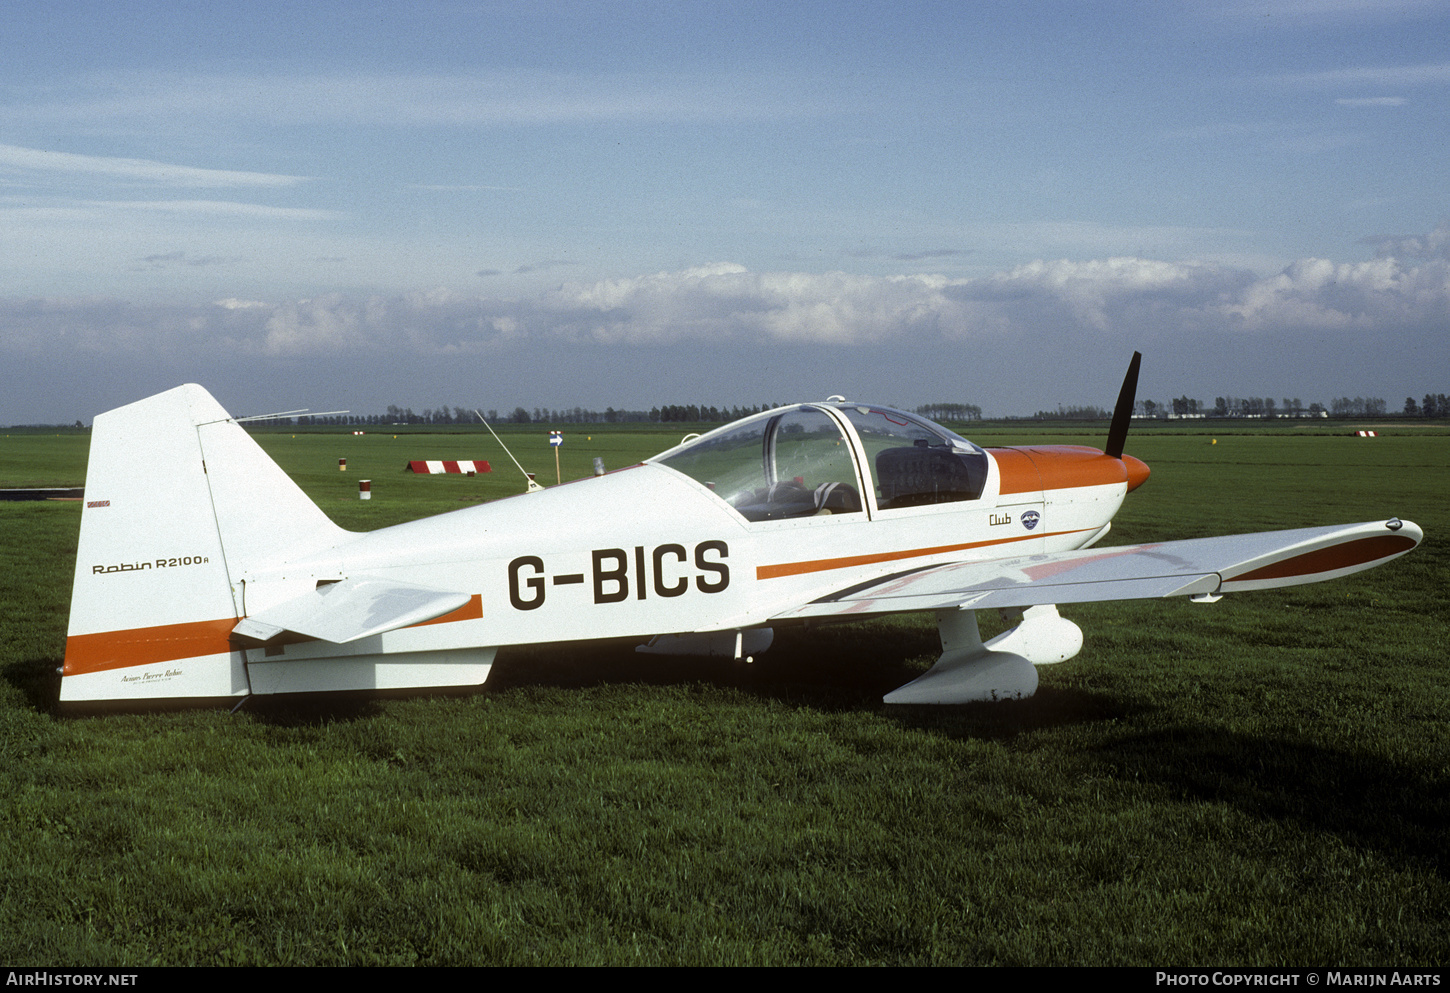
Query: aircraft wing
{"type": "Point", "coordinates": [351, 609]}
{"type": "Point", "coordinates": [1195, 567]}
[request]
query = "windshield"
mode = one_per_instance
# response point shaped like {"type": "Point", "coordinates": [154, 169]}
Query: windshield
{"type": "Point", "coordinates": [787, 463]}
{"type": "Point", "coordinates": [797, 462]}
{"type": "Point", "coordinates": [914, 461]}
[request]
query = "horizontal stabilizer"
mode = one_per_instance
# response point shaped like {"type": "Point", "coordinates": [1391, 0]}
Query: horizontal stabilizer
{"type": "Point", "coordinates": [352, 609]}
{"type": "Point", "coordinates": [1195, 567]}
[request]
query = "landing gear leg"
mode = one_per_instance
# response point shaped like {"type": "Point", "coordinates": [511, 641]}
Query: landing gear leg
{"type": "Point", "coordinates": [968, 671]}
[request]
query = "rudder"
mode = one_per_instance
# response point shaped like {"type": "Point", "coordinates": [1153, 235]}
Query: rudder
{"type": "Point", "coordinates": [179, 501]}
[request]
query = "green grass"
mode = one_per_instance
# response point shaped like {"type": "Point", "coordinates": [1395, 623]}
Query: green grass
{"type": "Point", "coordinates": [1263, 781]}
{"type": "Point", "coordinates": [39, 460]}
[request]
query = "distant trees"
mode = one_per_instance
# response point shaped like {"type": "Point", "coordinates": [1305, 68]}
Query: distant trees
{"type": "Point", "coordinates": [666, 413]}
{"type": "Point", "coordinates": [1358, 407]}
{"type": "Point", "coordinates": [1074, 414]}
{"type": "Point", "coordinates": [1435, 405]}
{"type": "Point", "coordinates": [950, 411]}
{"type": "Point", "coordinates": [1240, 406]}
{"type": "Point", "coordinates": [1263, 407]}
{"type": "Point", "coordinates": [673, 412]}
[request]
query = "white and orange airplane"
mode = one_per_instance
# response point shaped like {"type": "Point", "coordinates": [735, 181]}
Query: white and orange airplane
{"type": "Point", "coordinates": [203, 572]}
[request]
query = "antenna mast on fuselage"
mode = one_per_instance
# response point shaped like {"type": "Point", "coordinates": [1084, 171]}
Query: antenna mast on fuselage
{"type": "Point", "coordinates": [533, 486]}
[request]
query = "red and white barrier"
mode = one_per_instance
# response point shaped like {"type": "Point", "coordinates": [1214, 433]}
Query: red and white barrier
{"type": "Point", "coordinates": [434, 467]}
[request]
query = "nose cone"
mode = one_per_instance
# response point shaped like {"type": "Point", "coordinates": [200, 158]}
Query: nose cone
{"type": "Point", "coordinates": [1137, 472]}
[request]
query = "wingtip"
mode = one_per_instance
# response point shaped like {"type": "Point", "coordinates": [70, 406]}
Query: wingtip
{"type": "Point", "coordinates": [1407, 529]}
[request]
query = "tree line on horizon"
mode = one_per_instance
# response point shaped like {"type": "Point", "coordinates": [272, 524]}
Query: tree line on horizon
{"type": "Point", "coordinates": [665, 414]}
{"type": "Point", "coordinates": [1432, 405]}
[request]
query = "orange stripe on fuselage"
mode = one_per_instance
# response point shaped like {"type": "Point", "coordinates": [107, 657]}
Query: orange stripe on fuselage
{"type": "Point", "coordinates": [847, 561]}
{"type": "Point", "coordinates": [470, 611]}
{"type": "Point", "coordinates": [169, 642]}
{"type": "Point", "coordinates": [1021, 470]}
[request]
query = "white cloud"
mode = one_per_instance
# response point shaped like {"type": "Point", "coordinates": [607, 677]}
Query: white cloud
{"type": "Point", "coordinates": [1297, 14]}
{"type": "Point", "coordinates": [1366, 296]}
{"type": "Point", "coordinates": [1016, 340]}
{"type": "Point", "coordinates": [727, 305]}
{"type": "Point", "coordinates": [1436, 244]}
{"type": "Point", "coordinates": [220, 208]}
{"type": "Point", "coordinates": [101, 211]}
{"type": "Point", "coordinates": [1399, 77]}
{"type": "Point", "coordinates": [1095, 292]}
{"type": "Point", "coordinates": [161, 173]}
{"type": "Point", "coordinates": [725, 301]}
{"type": "Point", "coordinates": [311, 326]}
{"type": "Point", "coordinates": [166, 101]}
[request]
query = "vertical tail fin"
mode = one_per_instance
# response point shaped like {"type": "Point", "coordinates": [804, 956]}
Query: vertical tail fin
{"type": "Point", "coordinates": [179, 502]}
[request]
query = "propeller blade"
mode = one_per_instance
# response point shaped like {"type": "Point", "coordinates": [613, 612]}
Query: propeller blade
{"type": "Point", "coordinates": [1123, 412]}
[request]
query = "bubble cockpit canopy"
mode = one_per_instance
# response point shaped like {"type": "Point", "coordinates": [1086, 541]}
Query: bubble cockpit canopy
{"type": "Point", "coordinates": [803, 460]}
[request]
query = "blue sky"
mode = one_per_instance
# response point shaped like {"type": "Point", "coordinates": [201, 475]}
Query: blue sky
{"type": "Point", "coordinates": [347, 205]}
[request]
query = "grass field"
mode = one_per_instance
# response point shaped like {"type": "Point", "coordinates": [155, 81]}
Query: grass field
{"type": "Point", "coordinates": [1263, 781]}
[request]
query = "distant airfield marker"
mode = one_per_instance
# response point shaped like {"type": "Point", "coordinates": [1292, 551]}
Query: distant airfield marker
{"type": "Point", "coordinates": [467, 467]}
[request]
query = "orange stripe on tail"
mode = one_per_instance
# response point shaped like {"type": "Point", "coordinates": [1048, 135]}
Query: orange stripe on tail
{"type": "Point", "coordinates": [147, 646]}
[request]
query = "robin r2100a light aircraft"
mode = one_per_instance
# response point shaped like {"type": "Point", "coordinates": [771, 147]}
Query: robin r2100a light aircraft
{"type": "Point", "coordinates": [203, 572]}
